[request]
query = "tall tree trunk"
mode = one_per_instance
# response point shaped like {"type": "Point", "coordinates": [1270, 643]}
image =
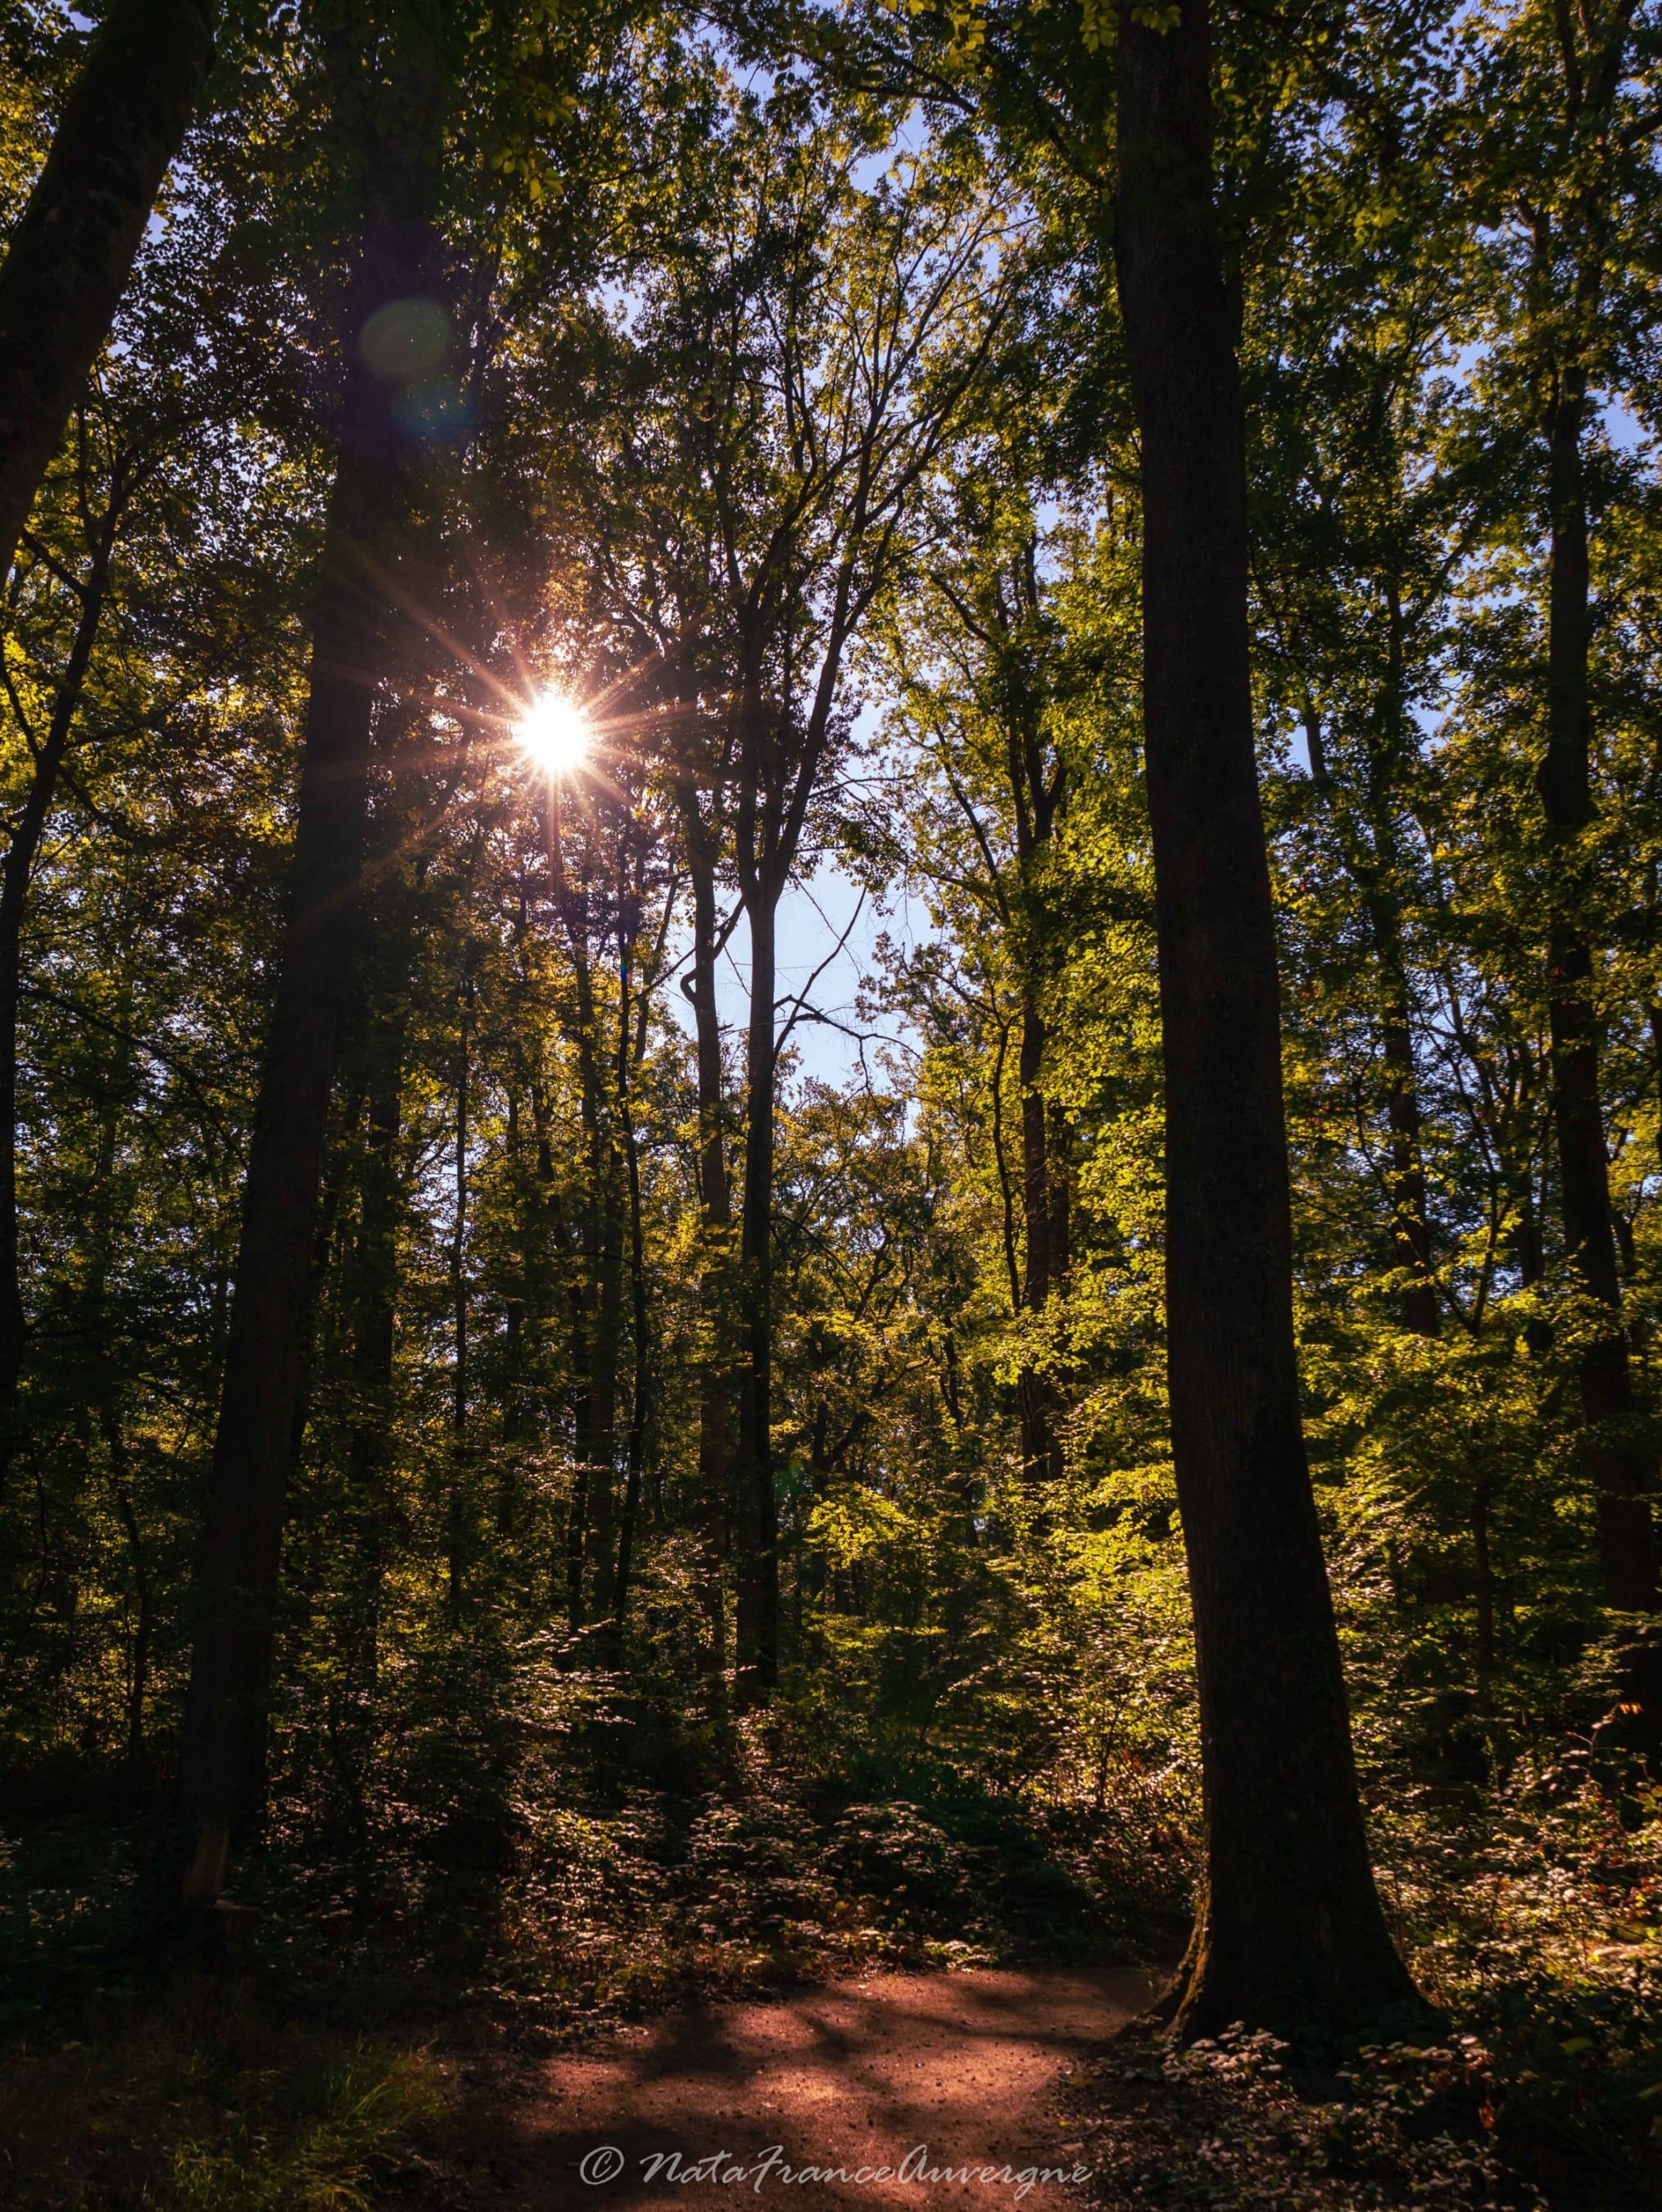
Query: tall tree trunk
{"type": "Point", "coordinates": [1410, 1223]}
{"type": "Point", "coordinates": [1290, 1935]}
{"type": "Point", "coordinates": [1620, 1466]}
{"type": "Point", "coordinates": [574, 1269]}
{"type": "Point", "coordinates": [1375, 876]}
{"type": "Point", "coordinates": [1037, 798]}
{"type": "Point", "coordinates": [73, 250]}
{"type": "Point", "coordinates": [1041, 1456]}
{"type": "Point", "coordinates": [758, 1516]}
{"type": "Point", "coordinates": [138, 1679]}
{"type": "Point", "coordinates": [15, 874]}
{"type": "Point", "coordinates": [716, 1222]}
{"type": "Point", "coordinates": [591, 1555]}
{"type": "Point", "coordinates": [605, 1346]}
{"type": "Point", "coordinates": [374, 1304]}
{"type": "Point", "coordinates": [1410, 1217]}
{"type": "Point", "coordinates": [456, 1532]}
{"type": "Point", "coordinates": [1485, 1579]}
{"type": "Point", "coordinates": [637, 1443]}
{"type": "Point", "coordinates": [223, 1753]}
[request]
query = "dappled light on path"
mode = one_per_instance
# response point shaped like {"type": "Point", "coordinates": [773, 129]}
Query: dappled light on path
{"type": "Point", "coordinates": [856, 2076]}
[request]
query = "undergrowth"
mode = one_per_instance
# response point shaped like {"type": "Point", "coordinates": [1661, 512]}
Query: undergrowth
{"type": "Point", "coordinates": [533, 1895]}
{"type": "Point", "coordinates": [1532, 1916]}
{"type": "Point", "coordinates": [586, 1862]}
{"type": "Point", "coordinates": [194, 2099]}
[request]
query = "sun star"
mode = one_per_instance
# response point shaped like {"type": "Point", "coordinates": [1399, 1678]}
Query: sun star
{"type": "Point", "coordinates": [555, 733]}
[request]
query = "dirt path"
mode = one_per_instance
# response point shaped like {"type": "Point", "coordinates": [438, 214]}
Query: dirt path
{"type": "Point", "coordinates": [851, 2076]}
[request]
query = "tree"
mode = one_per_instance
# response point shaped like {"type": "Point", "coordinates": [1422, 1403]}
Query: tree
{"type": "Point", "coordinates": [986, 713]}
{"type": "Point", "coordinates": [73, 250]}
{"type": "Point", "coordinates": [1290, 1933]}
{"type": "Point", "coordinates": [396, 330]}
{"type": "Point", "coordinates": [1575, 183]}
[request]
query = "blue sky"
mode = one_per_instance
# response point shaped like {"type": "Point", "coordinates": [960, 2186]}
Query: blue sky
{"type": "Point", "coordinates": [813, 917]}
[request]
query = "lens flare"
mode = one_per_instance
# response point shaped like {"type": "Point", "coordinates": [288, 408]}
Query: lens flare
{"type": "Point", "coordinates": [555, 733]}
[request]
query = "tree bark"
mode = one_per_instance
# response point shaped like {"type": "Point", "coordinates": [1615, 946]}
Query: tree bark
{"type": "Point", "coordinates": [74, 248]}
{"type": "Point", "coordinates": [1411, 1216]}
{"type": "Point", "coordinates": [1036, 799]}
{"type": "Point", "coordinates": [575, 1270]}
{"type": "Point", "coordinates": [1290, 1935]}
{"type": "Point", "coordinates": [606, 1345]}
{"type": "Point", "coordinates": [356, 637]}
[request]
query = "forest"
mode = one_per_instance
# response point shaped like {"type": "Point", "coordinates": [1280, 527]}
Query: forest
{"type": "Point", "coordinates": [830, 1101]}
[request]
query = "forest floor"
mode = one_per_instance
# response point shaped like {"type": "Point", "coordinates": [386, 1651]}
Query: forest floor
{"type": "Point", "coordinates": [849, 1961]}
{"type": "Point", "coordinates": [893, 2089]}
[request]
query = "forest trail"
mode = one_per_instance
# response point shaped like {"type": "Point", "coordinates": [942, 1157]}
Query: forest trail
{"type": "Point", "coordinates": [856, 2073]}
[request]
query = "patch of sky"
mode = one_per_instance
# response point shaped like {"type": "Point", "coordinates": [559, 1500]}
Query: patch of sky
{"type": "Point", "coordinates": [1624, 429]}
{"type": "Point", "coordinates": [828, 931]}
{"type": "Point", "coordinates": [910, 137]}
{"type": "Point", "coordinates": [624, 303]}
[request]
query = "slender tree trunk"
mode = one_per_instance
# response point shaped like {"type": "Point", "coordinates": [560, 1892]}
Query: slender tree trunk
{"type": "Point", "coordinates": [374, 1311]}
{"type": "Point", "coordinates": [591, 1540]}
{"type": "Point", "coordinates": [1485, 1581]}
{"type": "Point", "coordinates": [577, 1277]}
{"type": "Point", "coordinates": [1375, 876]}
{"type": "Point", "coordinates": [1037, 798]}
{"type": "Point", "coordinates": [73, 250]}
{"type": "Point", "coordinates": [1290, 1935]}
{"type": "Point", "coordinates": [716, 1222]}
{"type": "Point", "coordinates": [1035, 1392]}
{"type": "Point", "coordinates": [1035, 1163]}
{"type": "Point", "coordinates": [223, 1753]}
{"type": "Point", "coordinates": [1620, 1466]}
{"type": "Point", "coordinates": [1411, 1218]}
{"type": "Point", "coordinates": [456, 1533]}
{"type": "Point", "coordinates": [138, 1680]}
{"type": "Point", "coordinates": [637, 1443]}
{"type": "Point", "coordinates": [1410, 1225]}
{"type": "Point", "coordinates": [15, 874]}
{"type": "Point", "coordinates": [758, 1607]}
{"type": "Point", "coordinates": [606, 1346]}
